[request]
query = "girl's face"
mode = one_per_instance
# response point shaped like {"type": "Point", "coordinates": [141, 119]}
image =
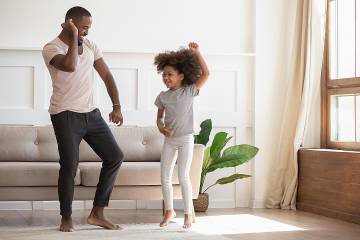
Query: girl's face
{"type": "Point", "coordinates": [172, 78]}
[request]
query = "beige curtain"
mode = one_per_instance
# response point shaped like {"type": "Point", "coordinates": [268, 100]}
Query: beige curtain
{"type": "Point", "coordinates": [304, 84]}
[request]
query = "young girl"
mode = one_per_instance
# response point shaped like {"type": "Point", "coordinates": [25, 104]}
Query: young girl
{"type": "Point", "coordinates": [184, 72]}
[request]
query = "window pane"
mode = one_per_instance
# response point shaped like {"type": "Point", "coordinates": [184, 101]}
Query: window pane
{"type": "Point", "coordinates": [342, 39]}
{"type": "Point", "coordinates": [358, 118]}
{"type": "Point", "coordinates": [346, 38]}
{"type": "Point", "coordinates": [343, 118]}
{"type": "Point", "coordinates": [333, 40]}
{"type": "Point", "coordinates": [358, 38]}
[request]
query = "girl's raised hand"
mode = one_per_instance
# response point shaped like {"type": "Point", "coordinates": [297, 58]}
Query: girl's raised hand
{"type": "Point", "coordinates": [194, 46]}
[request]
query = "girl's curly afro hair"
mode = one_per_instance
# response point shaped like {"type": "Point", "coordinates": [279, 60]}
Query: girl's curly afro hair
{"type": "Point", "coordinates": [183, 60]}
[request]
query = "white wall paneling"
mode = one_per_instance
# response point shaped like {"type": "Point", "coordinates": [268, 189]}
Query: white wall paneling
{"type": "Point", "coordinates": [226, 99]}
{"type": "Point", "coordinates": [127, 82]}
{"type": "Point", "coordinates": [22, 86]}
{"type": "Point", "coordinates": [19, 93]}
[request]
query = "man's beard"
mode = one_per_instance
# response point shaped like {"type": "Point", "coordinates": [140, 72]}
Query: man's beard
{"type": "Point", "coordinates": [80, 42]}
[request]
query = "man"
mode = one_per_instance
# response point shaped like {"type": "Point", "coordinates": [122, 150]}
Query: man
{"type": "Point", "coordinates": [69, 59]}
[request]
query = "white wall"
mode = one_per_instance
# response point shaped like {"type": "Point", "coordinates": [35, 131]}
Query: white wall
{"type": "Point", "coordinates": [224, 27]}
{"type": "Point", "coordinates": [130, 32]}
{"type": "Point", "coordinates": [273, 34]}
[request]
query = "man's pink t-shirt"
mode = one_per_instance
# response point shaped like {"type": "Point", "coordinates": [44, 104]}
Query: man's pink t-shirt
{"type": "Point", "coordinates": [72, 91]}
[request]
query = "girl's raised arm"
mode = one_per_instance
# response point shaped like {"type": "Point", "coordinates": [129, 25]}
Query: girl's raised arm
{"type": "Point", "coordinates": [204, 69]}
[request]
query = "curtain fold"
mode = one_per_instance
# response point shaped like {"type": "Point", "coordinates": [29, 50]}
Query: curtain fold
{"type": "Point", "coordinates": [303, 86]}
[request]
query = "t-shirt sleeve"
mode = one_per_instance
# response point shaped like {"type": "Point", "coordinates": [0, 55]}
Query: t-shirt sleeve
{"type": "Point", "coordinates": [158, 102]}
{"type": "Point", "coordinates": [97, 52]}
{"type": "Point", "coordinates": [193, 90]}
{"type": "Point", "coordinates": [50, 50]}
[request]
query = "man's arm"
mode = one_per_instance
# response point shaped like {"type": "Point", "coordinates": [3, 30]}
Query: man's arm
{"type": "Point", "coordinates": [115, 116]}
{"type": "Point", "coordinates": [68, 62]}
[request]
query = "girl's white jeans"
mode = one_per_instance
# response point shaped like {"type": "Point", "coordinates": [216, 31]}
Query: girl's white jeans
{"type": "Point", "coordinates": [184, 147]}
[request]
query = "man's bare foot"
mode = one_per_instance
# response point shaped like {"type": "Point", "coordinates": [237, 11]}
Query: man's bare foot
{"type": "Point", "coordinates": [66, 224]}
{"type": "Point", "coordinates": [187, 221]}
{"type": "Point", "coordinates": [97, 218]}
{"type": "Point", "coordinates": [169, 214]}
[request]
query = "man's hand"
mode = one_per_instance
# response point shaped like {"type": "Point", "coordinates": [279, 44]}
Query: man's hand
{"type": "Point", "coordinates": [116, 116]}
{"type": "Point", "coordinates": [70, 26]}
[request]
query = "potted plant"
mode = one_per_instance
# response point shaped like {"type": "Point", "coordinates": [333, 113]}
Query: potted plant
{"type": "Point", "coordinates": [215, 158]}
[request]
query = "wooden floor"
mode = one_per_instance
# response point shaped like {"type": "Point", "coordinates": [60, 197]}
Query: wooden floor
{"type": "Point", "coordinates": [241, 223]}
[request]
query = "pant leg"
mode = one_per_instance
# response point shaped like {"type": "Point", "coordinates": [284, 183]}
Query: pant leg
{"type": "Point", "coordinates": [185, 155]}
{"type": "Point", "coordinates": [102, 141]}
{"type": "Point", "coordinates": [69, 128]}
{"type": "Point", "coordinates": [167, 164]}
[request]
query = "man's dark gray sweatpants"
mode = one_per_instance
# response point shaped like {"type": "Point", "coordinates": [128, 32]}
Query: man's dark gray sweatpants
{"type": "Point", "coordinates": [70, 128]}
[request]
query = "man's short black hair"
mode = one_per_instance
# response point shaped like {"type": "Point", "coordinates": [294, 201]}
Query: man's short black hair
{"type": "Point", "coordinates": [77, 12]}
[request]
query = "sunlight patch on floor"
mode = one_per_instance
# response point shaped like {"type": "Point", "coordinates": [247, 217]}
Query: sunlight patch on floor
{"type": "Point", "coordinates": [237, 224]}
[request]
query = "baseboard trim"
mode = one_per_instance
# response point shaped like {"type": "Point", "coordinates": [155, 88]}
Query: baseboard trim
{"type": "Point", "coordinates": [19, 205]}
{"type": "Point", "coordinates": [122, 204]}
{"type": "Point", "coordinates": [222, 204]}
{"type": "Point", "coordinates": [257, 204]}
{"type": "Point", "coordinates": [243, 204]}
{"type": "Point", "coordinates": [55, 205]}
{"type": "Point", "coordinates": [113, 204]}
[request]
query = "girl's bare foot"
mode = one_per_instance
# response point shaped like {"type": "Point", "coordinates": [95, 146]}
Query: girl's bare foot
{"type": "Point", "coordinates": [66, 224]}
{"type": "Point", "coordinates": [187, 221]}
{"type": "Point", "coordinates": [97, 218]}
{"type": "Point", "coordinates": [169, 214]}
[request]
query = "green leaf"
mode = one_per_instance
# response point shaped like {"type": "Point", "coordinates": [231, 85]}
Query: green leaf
{"type": "Point", "coordinates": [228, 179]}
{"type": "Point", "coordinates": [231, 178]}
{"type": "Point", "coordinates": [234, 156]}
{"type": "Point", "coordinates": [206, 162]}
{"type": "Point", "coordinates": [203, 136]}
{"type": "Point", "coordinates": [218, 144]}
{"type": "Point", "coordinates": [207, 159]}
{"type": "Point", "coordinates": [244, 149]}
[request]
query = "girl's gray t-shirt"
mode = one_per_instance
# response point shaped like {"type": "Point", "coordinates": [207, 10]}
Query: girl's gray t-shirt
{"type": "Point", "coordinates": [178, 105]}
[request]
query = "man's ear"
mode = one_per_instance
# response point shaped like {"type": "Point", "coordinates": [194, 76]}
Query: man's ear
{"type": "Point", "coordinates": [182, 76]}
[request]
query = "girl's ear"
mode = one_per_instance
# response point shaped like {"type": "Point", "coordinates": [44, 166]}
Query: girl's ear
{"type": "Point", "coordinates": [182, 76]}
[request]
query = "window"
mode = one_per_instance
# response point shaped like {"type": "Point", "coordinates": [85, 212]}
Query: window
{"type": "Point", "coordinates": [341, 76]}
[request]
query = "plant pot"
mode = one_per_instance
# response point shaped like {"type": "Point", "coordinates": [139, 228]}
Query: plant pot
{"type": "Point", "coordinates": [201, 204]}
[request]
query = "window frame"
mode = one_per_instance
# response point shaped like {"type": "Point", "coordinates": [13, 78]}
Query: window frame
{"type": "Point", "coordinates": [330, 87]}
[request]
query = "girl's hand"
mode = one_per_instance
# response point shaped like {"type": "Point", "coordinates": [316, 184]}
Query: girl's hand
{"type": "Point", "coordinates": [165, 131]}
{"type": "Point", "coordinates": [194, 46]}
{"type": "Point", "coordinates": [168, 132]}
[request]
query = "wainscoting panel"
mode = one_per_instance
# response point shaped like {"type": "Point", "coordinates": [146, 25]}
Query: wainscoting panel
{"type": "Point", "coordinates": [17, 87]}
{"type": "Point", "coordinates": [226, 99]}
